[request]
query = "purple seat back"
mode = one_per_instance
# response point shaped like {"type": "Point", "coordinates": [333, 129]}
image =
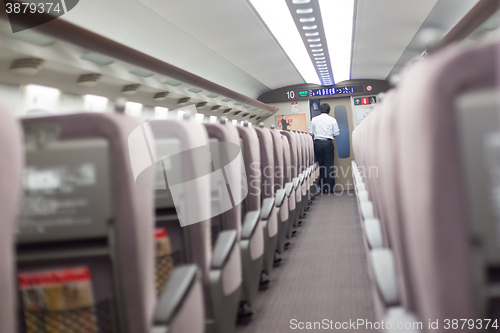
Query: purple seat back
{"type": "Point", "coordinates": [251, 159]}
{"type": "Point", "coordinates": [226, 133]}
{"type": "Point", "coordinates": [11, 166]}
{"type": "Point", "coordinates": [389, 193]}
{"type": "Point", "coordinates": [278, 159]}
{"type": "Point", "coordinates": [287, 170]}
{"type": "Point", "coordinates": [431, 179]}
{"type": "Point", "coordinates": [267, 162]}
{"type": "Point", "coordinates": [132, 205]}
{"type": "Point", "coordinates": [293, 152]}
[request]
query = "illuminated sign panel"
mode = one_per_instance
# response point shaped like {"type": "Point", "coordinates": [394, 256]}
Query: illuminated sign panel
{"type": "Point", "coordinates": [336, 91]}
{"type": "Point", "coordinates": [303, 93]}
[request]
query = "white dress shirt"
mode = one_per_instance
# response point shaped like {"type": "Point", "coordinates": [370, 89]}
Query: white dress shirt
{"type": "Point", "coordinates": [324, 127]}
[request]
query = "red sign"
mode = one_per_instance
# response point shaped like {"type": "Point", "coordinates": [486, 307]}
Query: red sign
{"type": "Point", "coordinates": [369, 88]}
{"type": "Point", "coordinates": [77, 274]}
{"type": "Point", "coordinates": [365, 101]}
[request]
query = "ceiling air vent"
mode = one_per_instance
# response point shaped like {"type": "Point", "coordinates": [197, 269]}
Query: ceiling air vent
{"type": "Point", "coordinates": [258, 118]}
{"type": "Point", "coordinates": [215, 108]}
{"type": "Point", "coordinates": [226, 111]}
{"type": "Point", "coordinates": [26, 66]}
{"type": "Point", "coordinates": [251, 117]}
{"type": "Point", "coordinates": [160, 96]}
{"type": "Point", "coordinates": [88, 80]}
{"type": "Point", "coordinates": [183, 100]}
{"type": "Point", "coordinates": [245, 114]}
{"type": "Point", "coordinates": [130, 89]}
{"type": "Point", "coordinates": [237, 113]}
{"type": "Point", "coordinates": [201, 104]}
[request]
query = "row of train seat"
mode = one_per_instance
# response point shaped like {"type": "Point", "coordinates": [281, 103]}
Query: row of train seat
{"type": "Point", "coordinates": [125, 226]}
{"type": "Point", "coordinates": [425, 164]}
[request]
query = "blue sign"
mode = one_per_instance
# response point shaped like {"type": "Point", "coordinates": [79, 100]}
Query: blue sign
{"type": "Point", "coordinates": [336, 91]}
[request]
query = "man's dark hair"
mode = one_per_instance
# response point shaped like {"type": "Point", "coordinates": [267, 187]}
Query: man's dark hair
{"type": "Point", "coordinates": [324, 108]}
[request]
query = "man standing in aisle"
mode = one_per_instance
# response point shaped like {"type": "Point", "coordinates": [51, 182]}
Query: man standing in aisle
{"type": "Point", "coordinates": [324, 129]}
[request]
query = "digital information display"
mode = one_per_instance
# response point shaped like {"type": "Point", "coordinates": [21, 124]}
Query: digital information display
{"type": "Point", "coordinates": [336, 91]}
{"type": "Point", "coordinates": [303, 93]}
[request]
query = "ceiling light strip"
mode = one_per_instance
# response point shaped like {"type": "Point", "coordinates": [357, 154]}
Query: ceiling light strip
{"type": "Point", "coordinates": [338, 29]}
{"type": "Point", "coordinates": [313, 36]}
{"type": "Point", "coordinates": [280, 21]}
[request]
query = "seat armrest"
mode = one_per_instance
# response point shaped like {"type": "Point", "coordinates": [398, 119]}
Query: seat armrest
{"type": "Point", "coordinates": [397, 315]}
{"type": "Point", "coordinates": [384, 270]}
{"type": "Point", "coordinates": [373, 232]}
{"type": "Point", "coordinates": [222, 250]}
{"type": "Point", "coordinates": [176, 292]}
{"type": "Point", "coordinates": [267, 208]}
{"type": "Point", "coordinates": [367, 210]}
{"type": "Point", "coordinates": [159, 329]}
{"type": "Point", "coordinates": [296, 181]}
{"type": "Point", "coordinates": [288, 189]}
{"type": "Point", "coordinates": [250, 224]}
{"type": "Point", "coordinates": [280, 197]}
{"type": "Point", "coordinates": [363, 196]}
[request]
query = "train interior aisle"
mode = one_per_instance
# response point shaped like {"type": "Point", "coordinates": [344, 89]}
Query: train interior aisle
{"type": "Point", "coordinates": [162, 171]}
{"type": "Point", "coordinates": [324, 275]}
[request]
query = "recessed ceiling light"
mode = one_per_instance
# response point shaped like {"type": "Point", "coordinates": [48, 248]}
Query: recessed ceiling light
{"type": "Point", "coordinates": [304, 11]}
{"type": "Point", "coordinates": [315, 45]}
{"type": "Point", "coordinates": [322, 65]}
{"type": "Point", "coordinates": [300, 2]}
{"type": "Point", "coordinates": [173, 83]}
{"type": "Point", "coordinates": [226, 100]}
{"type": "Point", "coordinates": [98, 59]}
{"type": "Point", "coordinates": [312, 34]}
{"type": "Point", "coordinates": [317, 50]}
{"type": "Point", "coordinates": [34, 38]}
{"type": "Point", "coordinates": [313, 40]}
{"type": "Point", "coordinates": [307, 19]}
{"type": "Point", "coordinates": [318, 54]}
{"type": "Point", "coordinates": [320, 58]}
{"type": "Point", "coordinates": [278, 18]}
{"type": "Point", "coordinates": [212, 95]}
{"type": "Point", "coordinates": [310, 27]}
{"type": "Point", "coordinates": [340, 18]}
{"type": "Point", "coordinates": [321, 62]}
{"type": "Point", "coordinates": [195, 89]}
{"type": "Point", "coordinates": [141, 72]}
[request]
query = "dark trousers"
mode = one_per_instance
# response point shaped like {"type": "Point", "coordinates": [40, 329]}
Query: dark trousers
{"type": "Point", "coordinates": [324, 154]}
